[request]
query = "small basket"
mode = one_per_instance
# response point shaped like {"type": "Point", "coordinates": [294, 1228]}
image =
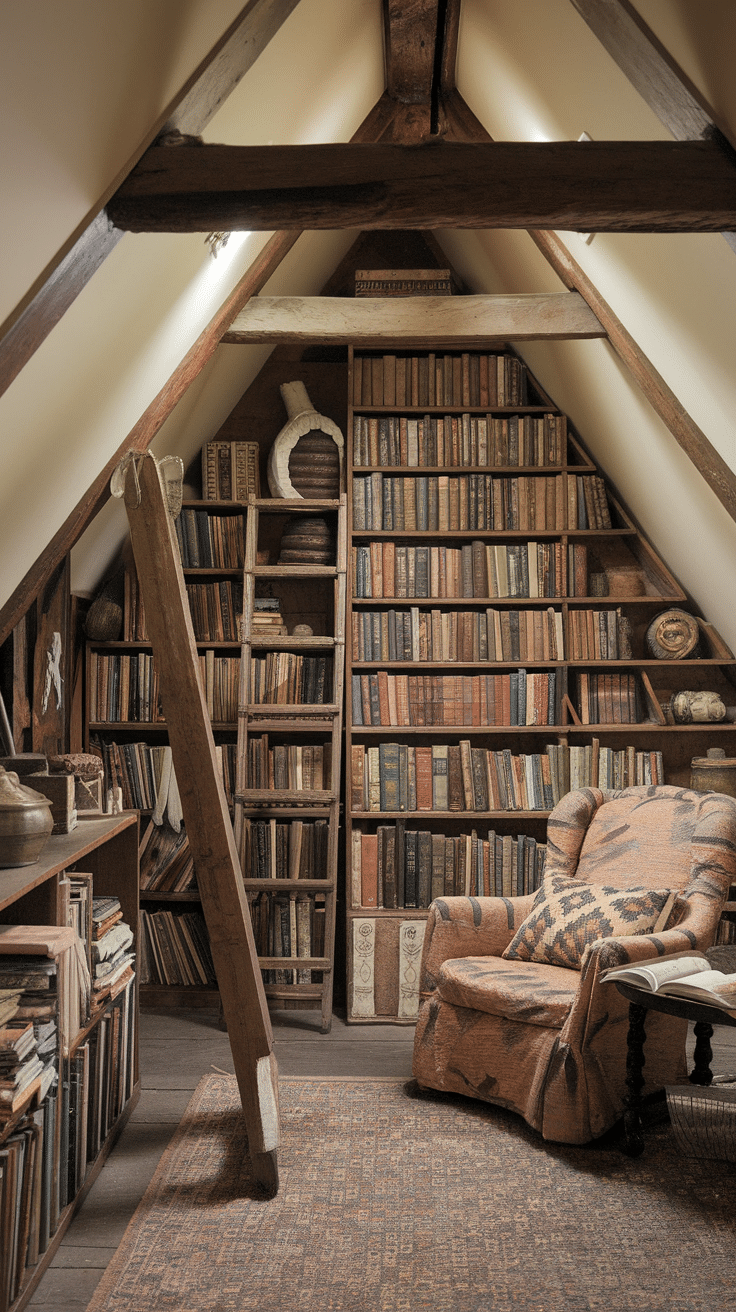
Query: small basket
{"type": "Point", "coordinates": [704, 1119]}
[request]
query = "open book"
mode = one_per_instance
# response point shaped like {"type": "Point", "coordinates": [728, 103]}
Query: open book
{"type": "Point", "coordinates": [682, 975]}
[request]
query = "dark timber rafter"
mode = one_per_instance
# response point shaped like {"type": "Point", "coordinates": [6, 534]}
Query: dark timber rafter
{"type": "Point", "coordinates": [629, 186]}
{"type": "Point", "coordinates": [720, 478]}
{"type": "Point", "coordinates": [651, 69]}
{"type": "Point", "coordinates": [75, 263]}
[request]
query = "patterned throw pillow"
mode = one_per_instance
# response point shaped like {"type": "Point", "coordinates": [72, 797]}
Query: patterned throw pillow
{"type": "Point", "coordinates": [567, 915]}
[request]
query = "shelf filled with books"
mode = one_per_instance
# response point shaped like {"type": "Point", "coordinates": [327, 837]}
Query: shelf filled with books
{"type": "Point", "coordinates": [500, 651]}
{"type": "Point", "coordinates": [68, 1034]}
{"type": "Point", "coordinates": [125, 724]}
{"type": "Point", "coordinates": [289, 749]}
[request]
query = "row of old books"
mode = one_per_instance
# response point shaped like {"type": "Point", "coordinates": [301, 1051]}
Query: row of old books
{"type": "Point", "coordinates": [220, 676]}
{"type": "Point", "coordinates": [51, 984]}
{"type": "Point", "coordinates": [166, 862]}
{"type": "Point", "coordinates": [133, 772]}
{"type": "Point", "coordinates": [288, 925]}
{"type": "Point", "coordinates": [591, 765]}
{"type": "Point", "coordinates": [466, 502]}
{"type": "Point", "coordinates": [461, 777]}
{"type": "Point", "coordinates": [601, 635]}
{"type": "Point", "coordinates": [292, 849]}
{"type": "Point", "coordinates": [460, 440]}
{"type": "Point", "coordinates": [175, 949]}
{"type": "Point", "coordinates": [522, 698]}
{"type": "Point", "coordinates": [471, 502]}
{"type": "Point", "coordinates": [294, 766]}
{"type": "Point", "coordinates": [123, 686]}
{"type": "Point", "coordinates": [286, 678]}
{"type": "Point", "coordinates": [47, 1149]}
{"type": "Point", "coordinates": [609, 698]}
{"type": "Point", "coordinates": [230, 470]}
{"type": "Point", "coordinates": [209, 541]}
{"type": "Point", "coordinates": [96, 1083]}
{"type": "Point", "coordinates": [399, 867]}
{"type": "Point", "coordinates": [477, 570]}
{"type": "Point", "coordinates": [458, 378]}
{"type": "Point", "coordinates": [451, 635]}
{"type": "Point", "coordinates": [217, 610]}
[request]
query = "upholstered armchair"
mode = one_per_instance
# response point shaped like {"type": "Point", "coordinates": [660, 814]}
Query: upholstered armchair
{"type": "Point", "coordinates": [513, 1009]}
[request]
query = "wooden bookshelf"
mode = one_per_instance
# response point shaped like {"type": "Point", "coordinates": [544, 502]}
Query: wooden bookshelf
{"type": "Point", "coordinates": [289, 753]}
{"type": "Point", "coordinates": [499, 600]}
{"type": "Point", "coordinates": [125, 724]}
{"type": "Point", "coordinates": [107, 848]}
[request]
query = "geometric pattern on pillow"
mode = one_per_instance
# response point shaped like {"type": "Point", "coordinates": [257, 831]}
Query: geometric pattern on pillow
{"type": "Point", "coordinates": [567, 915]}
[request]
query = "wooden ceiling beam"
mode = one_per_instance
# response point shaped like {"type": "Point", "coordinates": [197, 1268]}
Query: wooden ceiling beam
{"type": "Point", "coordinates": [71, 268]}
{"type": "Point", "coordinates": [615, 186]}
{"type": "Point", "coordinates": [423, 322]}
{"type": "Point", "coordinates": [657, 77]}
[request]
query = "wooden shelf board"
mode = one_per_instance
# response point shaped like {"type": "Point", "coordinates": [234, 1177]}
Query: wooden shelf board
{"type": "Point", "coordinates": [513, 533]}
{"type": "Point", "coordinates": [293, 505]}
{"type": "Point", "coordinates": [296, 963]}
{"type": "Point", "coordinates": [285, 885]}
{"type": "Point", "coordinates": [185, 895]}
{"type": "Point", "coordinates": [295, 571]}
{"type": "Point", "coordinates": [290, 643]}
{"type": "Point", "coordinates": [420, 410]}
{"type": "Point", "coordinates": [401, 913]}
{"type": "Point", "coordinates": [178, 995]}
{"type": "Point", "coordinates": [444, 816]}
{"type": "Point", "coordinates": [62, 850]}
{"type": "Point", "coordinates": [538, 603]}
{"type": "Point", "coordinates": [286, 796]}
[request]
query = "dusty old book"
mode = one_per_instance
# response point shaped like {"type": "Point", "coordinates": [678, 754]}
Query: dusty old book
{"type": "Point", "coordinates": [683, 975]}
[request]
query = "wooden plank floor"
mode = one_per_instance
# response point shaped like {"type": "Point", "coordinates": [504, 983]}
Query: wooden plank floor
{"type": "Point", "coordinates": [177, 1049]}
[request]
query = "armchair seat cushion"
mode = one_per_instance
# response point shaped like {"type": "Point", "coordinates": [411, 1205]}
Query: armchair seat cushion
{"type": "Point", "coordinates": [531, 994]}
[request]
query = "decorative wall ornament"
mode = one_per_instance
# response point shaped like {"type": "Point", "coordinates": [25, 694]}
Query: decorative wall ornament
{"type": "Point", "coordinates": [53, 675]}
{"type": "Point", "coordinates": [306, 459]}
{"type": "Point", "coordinates": [411, 941]}
{"type": "Point", "coordinates": [364, 942]}
{"type": "Point", "coordinates": [673, 635]}
{"type": "Point", "coordinates": [700, 707]}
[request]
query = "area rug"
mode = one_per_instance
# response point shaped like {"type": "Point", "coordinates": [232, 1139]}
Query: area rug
{"type": "Point", "coordinates": [391, 1203]}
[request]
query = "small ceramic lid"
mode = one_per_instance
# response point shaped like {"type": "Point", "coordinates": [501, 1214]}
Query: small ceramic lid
{"type": "Point", "coordinates": [14, 796]}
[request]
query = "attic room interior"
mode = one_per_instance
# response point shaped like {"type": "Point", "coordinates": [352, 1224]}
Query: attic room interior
{"type": "Point", "coordinates": [432, 304]}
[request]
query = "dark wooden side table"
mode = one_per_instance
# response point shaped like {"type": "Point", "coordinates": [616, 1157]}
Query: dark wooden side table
{"type": "Point", "coordinates": [704, 1018]}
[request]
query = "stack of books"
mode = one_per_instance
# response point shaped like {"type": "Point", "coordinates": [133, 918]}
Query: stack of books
{"type": "Point", "coordinates": [267, 618]}
{"type": "Point", "coordinates": [112, 961]}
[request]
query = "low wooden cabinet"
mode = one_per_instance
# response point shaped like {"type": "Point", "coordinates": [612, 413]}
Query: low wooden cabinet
{"type": "Point", "coordinates": [107, 848]}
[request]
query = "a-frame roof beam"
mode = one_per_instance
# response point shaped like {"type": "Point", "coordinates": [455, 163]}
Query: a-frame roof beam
{"type": "Point", "coordinates": [721, 479]}
{"type": "Point", "coordinates": [651, 69]}
{"type": "Point", "coordinates": [77, 260]}
{"type": "Point", "coordinates": [628, 186]}
{"type": "Point", "coordinates": [469, 321]}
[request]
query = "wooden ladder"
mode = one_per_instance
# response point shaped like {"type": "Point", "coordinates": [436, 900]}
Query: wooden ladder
{"type": "Point", "coordinates": [205, 811]}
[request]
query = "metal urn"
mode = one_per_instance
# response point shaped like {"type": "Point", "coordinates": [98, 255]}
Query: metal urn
{"type": "Point", "coordinates": [25, 821]}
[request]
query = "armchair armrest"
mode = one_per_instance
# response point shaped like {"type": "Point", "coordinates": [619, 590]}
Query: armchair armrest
{"type": "Point", "coordinates": [594, 1002]}
{"type": "Point", "coordinates": [468, 927]}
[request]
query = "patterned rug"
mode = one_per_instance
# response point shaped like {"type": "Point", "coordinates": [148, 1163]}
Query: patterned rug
{"type": "Point", "coordinates": [389, 1203]}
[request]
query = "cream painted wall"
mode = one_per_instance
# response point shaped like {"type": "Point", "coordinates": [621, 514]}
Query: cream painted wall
{"type": "Point", "coordinates": [675, 293]}
{"type": "Point", "coordinates": [81, 83]}
{"type": "Point", "coordinates": [85, 388]}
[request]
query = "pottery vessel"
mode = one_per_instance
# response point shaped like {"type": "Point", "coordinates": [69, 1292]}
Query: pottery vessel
{"type": "Point", "coordinates": [25, 821]}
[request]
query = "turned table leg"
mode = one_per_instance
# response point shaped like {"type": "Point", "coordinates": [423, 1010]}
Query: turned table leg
{"type": "Point", "coordinates": [703, 1055]}
{"type": "Point", "coordinates": [633, 1139]}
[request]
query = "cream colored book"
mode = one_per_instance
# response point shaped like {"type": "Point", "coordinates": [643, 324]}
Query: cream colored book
{"type": "Point", "coordinates": [683, 975]}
